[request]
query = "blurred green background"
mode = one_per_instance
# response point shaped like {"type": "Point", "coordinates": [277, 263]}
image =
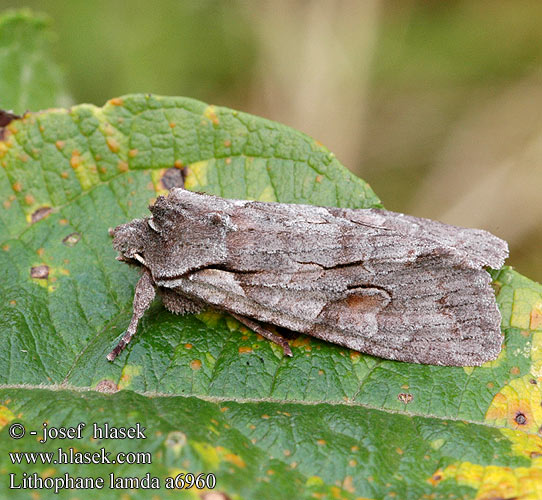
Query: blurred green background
{"type": "Point", "coordinates": [437, 104]}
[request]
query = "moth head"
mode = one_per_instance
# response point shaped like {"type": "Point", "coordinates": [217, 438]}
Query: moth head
{"type": "Point", "coordinates": [131, 240]}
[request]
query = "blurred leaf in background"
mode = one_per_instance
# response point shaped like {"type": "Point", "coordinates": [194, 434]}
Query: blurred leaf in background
{"type": "Point", "coordinates": [30, 80]}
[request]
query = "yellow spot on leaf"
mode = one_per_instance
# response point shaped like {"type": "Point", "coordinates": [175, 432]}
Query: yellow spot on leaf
{"type": "Point", "coordinates": [17, 187]}
{"type": "Point", "coordinates": [133, 153]}
{"type": "Point", "coordinates": [525, 300]}
{"type": "Point", "coordinates": [64, 175]}
{"type": "Point", "coordinates": [188, 346]}
{"type": "Point", "coordinates": [235, 459]}
{"type": "Point", "coordinates": [321, 442]}
{"type": "Point", "coordinates": [195, 364]}
{"type": "Point", "coordinates": [60, 145]}
{"type": "Point", "coordinates": [536, 316]}
{"type": "Point", "coordinates": [6, 416]}
{"type": "Point", "coordinates": [314, 481]}
{"type": "Point", "coordinates": [494, 481]}
{"type": "Point", "coordinates": [210, 112]}
{"type": "Point", "coordinates": [245, 350]}
{"type": "Point", "coordinates": [268, 194]}
{"type": "Point", "coordinates": [319, 178]}
{"type": "Point", "coordinates": [116, 101]}
{"type": "Point", "coordinates": [209, 455]}
{"type": "Point", "coordinates": [197, 175]}
{"type": "Point", "coordinates": [517, 405]}
{"type": "Point", "coordinates": [29, 199]}
{"type": "Point", "coordinates": [128, 374]}
{"type": "Point", "coordinates": [437, 443]}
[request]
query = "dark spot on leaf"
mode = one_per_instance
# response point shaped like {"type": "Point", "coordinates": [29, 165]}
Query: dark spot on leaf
{"type": "Point", "coordinates": [520, 419]}
{"type": "Point", "coordinates": [535, 454]}
{"type": "Point", "coordinates": [5, 119]}
{"type": "Point", "coordinates": [173, 177]}
{"type": "Point", "coordinates": [405, 397]}
{"type": "Point", "coordinates": [39, 272]}
{"type": "Point", "coordinates": [72, 239]}
{"type": "Point", "coordinates": [533, 381]}
{"type": "Point", "coordinates": [41, 213]}
{"type": "Point", "coordinates": [107, 386]}
{"type": "Point", "coordinates": [437, 477]}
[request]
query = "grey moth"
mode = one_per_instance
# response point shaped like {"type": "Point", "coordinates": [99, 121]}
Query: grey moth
{"type": "Point", "coordinates": [382, 283]}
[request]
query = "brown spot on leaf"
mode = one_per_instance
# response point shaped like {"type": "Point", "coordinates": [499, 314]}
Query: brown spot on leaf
{"type": "Point", "coordinates": [106, 386]}
{"type": "Point", "coordinates": [122, 166]}
{"type": "Point", "coordinates": [5, 119]}
{"type": "Point", "coordinates": [195, 364]}
{"type": "Point", "coordinates": [113, 144]}
{"type": "Point", "coordinates": [64, 175]}
{"type": "Point", "coordinates": [17, 187]}
{"type": "Point", "coordinates": [116, 101]}
{"type": "Point", "coordinates": [75, 159]}
{"type": "Point", "coordinates": [40, 213]}
{"type": "Point", "coordinates": [29, 199]}
{"type": "Point", "coordinates": [39, 272]}
{"type": "Point", "coordinates": [173, 177]}
{"type": "Point", "coordinates": [132, 153]}
{"type": "Point", "coordinates": [520, 418]}
{"type": "Point", "coordinates": [72, 239]}
{"type": "Point", "coordinates": [60, 145]}
{"type": "Point", "coordinates": [319, 178]}
{"type": "Point", "coordinates": [245, 350]}
{"type": "Point", "coordinates": [405, 398]}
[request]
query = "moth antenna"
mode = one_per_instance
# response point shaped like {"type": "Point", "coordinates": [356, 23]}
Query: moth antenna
{"type": "Point", "coordinates": [273, 337]}
{"type": "Point", "coordinates": [144, 295]}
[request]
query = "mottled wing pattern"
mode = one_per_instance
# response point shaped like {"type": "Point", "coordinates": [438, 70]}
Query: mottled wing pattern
{"type": "Point", "coordinates": [379, 282]}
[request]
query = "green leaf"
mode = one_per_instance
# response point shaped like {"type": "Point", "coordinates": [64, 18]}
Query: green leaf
{"type": "Point", "coordinates": [333, 422]}
{"type": "Point", "coordinates": [29, 78]}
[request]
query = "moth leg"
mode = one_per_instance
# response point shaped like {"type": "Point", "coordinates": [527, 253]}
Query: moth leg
{"type": "Point", "coordinates": [273, 337]}
{"type": "Point", "coordinates": [144, 295]}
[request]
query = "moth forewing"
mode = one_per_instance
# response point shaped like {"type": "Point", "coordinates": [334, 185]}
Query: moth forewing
{"type": "Point", "coordinates": [383, 283]}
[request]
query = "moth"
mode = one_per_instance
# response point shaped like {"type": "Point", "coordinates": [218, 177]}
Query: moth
{"type": "Point", "coordinates": [382, 283]}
